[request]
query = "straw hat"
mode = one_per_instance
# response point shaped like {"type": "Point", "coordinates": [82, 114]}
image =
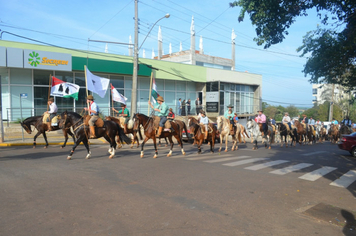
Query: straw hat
{"type": "Point", "coordinates": [51, 99]}
{"type": "Point", "coordinates": [90, 97]}
{"type": "Point", "coordinates": [160, 98]}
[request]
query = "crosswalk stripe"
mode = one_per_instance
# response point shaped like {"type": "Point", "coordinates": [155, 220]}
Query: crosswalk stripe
{"type": "Point", "coordinates": [264, 165]}
{"type": "Point", "coordinates": [227, 159]}
{"type": "Point", "coordinates": [345, 180]}
{"type": "Point", "coordinates": [313, 153]}
{"type": "Point", "coordinates": [237, 163]}
{"type": "Point", "coordinates": [200, 158]}
{"type": "Point", "coordinates": [289, 169]}
{"type": "Point", "coordinates": [316, 174]}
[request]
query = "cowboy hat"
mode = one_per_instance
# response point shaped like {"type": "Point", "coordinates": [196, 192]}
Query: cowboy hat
{"type": "Point", "coordinates": [122, 105]}
{"type": "Point", "coordinates": [160, 98]}
{"type": "Point", "coordinates": [90, 97]}
{"type": "Point", "coordinates": [51, 99]}
{"type": "Point", "coordinates": [286, 113]}
{"type": "Point", "coordinates": [304, 115]}
{"type": "Point", "coordinates": [259, 111]}
{"type": "Point", "coordinates": [230, 106]}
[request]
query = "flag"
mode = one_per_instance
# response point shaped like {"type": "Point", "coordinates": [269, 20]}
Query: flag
{"type": "Point", "coordinates": [64, 89]}
{"type": "Point", "coordinates": [154, 92]}
{"type": "Point", "coordinates": [117, 97]}
{"type": "Point", "coordinates": [97, 84]}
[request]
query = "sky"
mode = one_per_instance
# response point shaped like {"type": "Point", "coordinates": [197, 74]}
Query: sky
{"type": "Point", "coordinates": [71, 23]}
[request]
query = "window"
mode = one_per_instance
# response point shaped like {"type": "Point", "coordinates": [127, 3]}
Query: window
{"type": "Point", "coordinates": [117, 81]}
{"type": "Point", "coordinates": [23, 76]}
{"type": "Point", "coordinates": [315, 91]}
{"type": "Point", "coordinates": [212, 86]}
{"type": "Point", "coordinates": [41, 77]}
{"type": "Point", "coordinates": [65, 76]}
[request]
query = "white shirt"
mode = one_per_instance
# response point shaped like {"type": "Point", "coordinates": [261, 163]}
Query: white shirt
{"type": "Point", "coordinates": [53, 108]}
{"type": "Point", "coordinates": [204, 120]}
{"type": "Point", "coordinates": [285, 119]}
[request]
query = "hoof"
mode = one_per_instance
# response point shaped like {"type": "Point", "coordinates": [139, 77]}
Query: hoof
{"type": "Point", "coordinates": [34, 147]}
{"type": "Point", "coordinates": [111, 156]}
{"type": "Point", "coordinates": [62, 147]}
{"type": "Point", "coordinates": [168, 155]}
{"type": "Point", "coordinates": [45, 147]}
{"type": "Point", "coordinates": [183, 153]}
{"type": "Point", "coordinates": [87, 157]}
{"type": "Point", "coordinates": [166, 145]}
{"type": "Point", "coordinates": [141, 155]}
{"type": "Point", "coordinates": [220, 150]}
{"type": "Point", "coordinates": [69, 158]}
{"type": "Point", "coordinates": [269, 148]}
{"type": "Point", "coordinates": [225, 150]}
{"type": "Point", "coordinates": [155, 156]}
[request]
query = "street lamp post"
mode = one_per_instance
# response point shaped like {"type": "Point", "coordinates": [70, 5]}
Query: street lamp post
{"type": "Point", "coordinates": [135, 61]}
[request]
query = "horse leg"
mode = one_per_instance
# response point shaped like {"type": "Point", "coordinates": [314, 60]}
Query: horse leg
{"type": "Point", "coordinates": [226, 140]}
{"type": "Point", "coordinates": [143, 144]}
{"type": "Point", "coordinates": [66, 132]}
{"type": "Point", "coordinates": [166, 145]}
{"type": "Point", "coordinates": [199, 145]}
{"type": "Point", "coordinates": [45, 138]}
{"type": "Point", "coordinates": [172, 144]}
{"type": "Point", "coordinates": [221, 140]}
{"type": "Point", "coordinates": [69, 157]}
{"type": "Point", "coordinates": [86, 144]}
{"type": "Point", "coordinates": [34, 139]}
{"type": "Point", "coordinates": [112, 142]}
{"type": "Point", "coordinates": [155, 146]}
{"type": "Point", "coordinates": [180, 142]}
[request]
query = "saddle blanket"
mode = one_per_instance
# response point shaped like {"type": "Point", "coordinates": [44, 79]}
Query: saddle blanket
{"type": "Point", "coordinates": [99, 123]}
{"type": "Point", "coordinates": [156, 120]}
{"type": "Point", "coordinates": [54, 119]}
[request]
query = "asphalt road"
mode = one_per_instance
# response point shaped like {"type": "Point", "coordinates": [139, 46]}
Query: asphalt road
{"type": "Point", "coordinates": [43, 193]}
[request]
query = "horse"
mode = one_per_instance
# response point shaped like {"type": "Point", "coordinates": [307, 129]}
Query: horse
{"type": "Point", "coordinates": [344, 130]}
{"type": "Point", "coordinates": [150, 133]}
{"type": "Point", "coordinates": [256, 131]}
{"type": "Point", "coordinates": [41, 127]}
{"type": "Point", "coordinates": [320, 133]}
{"type": "Point", "coordinates": [223, 126]}
{"type": "Point", "coordinates": [182, 127]}
{"type": "Point", "coordinates": [302, 132]}
{"type": "Point", "coordinates": [109, 130]}
{"type": "Point", "coordinates": [198, 133]}
{"type": "Point", "coordinates": [129, 130]}
{"type": "Point", "coordinates": [243, 132]}
{"type": "Point", "coordinates": [284, 132]}
{"type": "Point", "coordinates": [334, 133]}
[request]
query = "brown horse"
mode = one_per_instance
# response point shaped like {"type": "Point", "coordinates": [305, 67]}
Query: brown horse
{"type": "Point", "coordinates": [198, 134]}
{"type": "Point", "coordinates": [81, 131]}
{"type": "Point", "coordinates": [303, 135]}
{"type": "Point", "coordinates": [243, 132]}
{"type": "Point", "coordinates": [334, 133]}
{"type": "Point", "coordinates": [150, 133]}
{"type": "Point", "coordinates": [41, 127]}
{"type": "Point", "coordinates": [128, 131]}
{"type": "Point", "coordinates": [182, 126]}
{"type": "Point", "coordinates": [269, 135]}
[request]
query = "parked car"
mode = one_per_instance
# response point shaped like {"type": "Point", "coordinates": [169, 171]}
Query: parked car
{"type": "Point", "coordinates": [348, 143]}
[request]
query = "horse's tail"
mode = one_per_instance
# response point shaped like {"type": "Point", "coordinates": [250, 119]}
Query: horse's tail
{"type": "Point", "coordinates": [245, 132]}
{"type": "Point", "coordinates": [139, 132]}
{"type": "Point", "coordinates": [122, 136]}
{"type": "Point", "coordinates": [185, 130]}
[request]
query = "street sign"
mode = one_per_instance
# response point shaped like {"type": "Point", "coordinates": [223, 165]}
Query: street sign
{"type": "Point", "coordinates": [23, 95]}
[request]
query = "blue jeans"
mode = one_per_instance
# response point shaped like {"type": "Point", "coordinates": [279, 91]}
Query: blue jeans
{"type": "Point", "coordinates": [162, 121]}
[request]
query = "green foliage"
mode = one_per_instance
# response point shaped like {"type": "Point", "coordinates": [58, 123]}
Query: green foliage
{"type": "Point", "coordinates": [331, 51]}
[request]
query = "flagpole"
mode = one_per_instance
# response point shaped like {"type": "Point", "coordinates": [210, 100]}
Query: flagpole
{"type": "Point", "coordinates": [149, 96]}
{"type": "Point", "coordinates": [86, 85]}
{"type": "Point", "coordinates": [112, 100]}
{"type": "Point", "coordinates": [49, 90]}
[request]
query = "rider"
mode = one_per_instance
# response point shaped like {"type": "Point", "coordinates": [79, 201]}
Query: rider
{"type": "Point", "coordinates": [162, 109]}
{"type": "Point", "coordinates": [205, 121]}
{"type": "Point", "coordinates": [261, 119]}
{"type": "Point", "coordinates": [305, 121]}
{"type": "Point", "coordinates": [347, 121]}
{"type": "Point", "coordinates": [311, 121]}
{"type": "Point", "coordinates": [52, 112]}
{"type": "Point", "coordinates": [94, 113]}
{"type": "Point", "coordinates": [170, 114]}
{"type": "Point", "coordinates": [229, 115]}
{"type": "Point", "coordinates": [335, 122]}
{"type": "Point", "coordinates": [124, 112]}
{"type": "Point", "coordinates": [286, 120]}
{"type": "Point", "coordinates": [236, 118]}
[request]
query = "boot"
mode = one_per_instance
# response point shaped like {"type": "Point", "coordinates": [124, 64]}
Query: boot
{"type": "Point", "coordinates": [159, 132]}
{"type": "Point", "coordinates": [49, 126]}
{"type": "Point", "coordinates": [231, 129]}
{"type": "Point", "coordinates": [206, 135]}
{"type": "Point", "coordinates": [92, 132]}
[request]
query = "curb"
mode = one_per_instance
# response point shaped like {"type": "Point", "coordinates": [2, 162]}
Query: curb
{"type": "Point", "coordinates": [40, 144]}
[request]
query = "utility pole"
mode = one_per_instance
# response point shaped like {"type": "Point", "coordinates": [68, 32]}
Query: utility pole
{"type": "Point", "coordinates": [332, 103]}
{"type": "Point", "coordinates": [135, 65]}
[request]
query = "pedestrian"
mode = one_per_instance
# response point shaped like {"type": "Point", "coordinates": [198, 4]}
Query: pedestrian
{"type": "Point", "coordinates": [179, 105]}
{"type": "Point", "coordinates": [52, 112]}
{"type": "Point", "coordinates": [124, 112]}
{"type": "Point", "coordinates": [197, 106]}
{"type": "Point", "coordinates": [188, 106]}
{"type": "Point", "coordinates": [162, 109]}
{"type": "Point", "coordinates": [94, 113]}
{"type": "Point", "coordinates": [183, 108]}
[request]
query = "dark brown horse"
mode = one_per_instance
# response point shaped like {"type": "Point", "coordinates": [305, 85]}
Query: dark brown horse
{"type": "Point", "coordinates": [41, 127]}
{"type": "Point", "coordinates": [334, 133]}
{"type": "Point", "coordinates": [303, 135]}
{"type": "Point", "coordinates": [150, 133]}
{"type": "Point", "coordinates": [81, 131]}
{"type": "Point", "coordinates": [182, 127]}
{"type": "Point", "coordinates": [198, 135]}
{"type": "Point", "coordinates": [284, 132]}
{"type": "Point", "coordinates": [128, 131]}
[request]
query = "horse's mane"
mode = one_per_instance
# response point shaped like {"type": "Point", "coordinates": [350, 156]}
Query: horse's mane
{"type": "Point", "coordinates": [76, 115]}
{"type": "Point", "coordinates": [31, 119]}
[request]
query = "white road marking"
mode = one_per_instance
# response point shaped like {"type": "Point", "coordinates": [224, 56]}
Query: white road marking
{"type": "Point", "coordinates": [227, 159]}
{"type": "Point", "coordinates": [290, 169]}
{"type": "Point", "coordinates": [345, 180]}
{"type": "Point", "coordinates": [237, 163]}
{"type": "Point", "coordinates": [200, 157]}
{"type": "Point", "coordinates": [313, 153]}
{"type": "Point", "coordinates": [264, 165]}
{"type": "Point", "coordinates": [316, 174]}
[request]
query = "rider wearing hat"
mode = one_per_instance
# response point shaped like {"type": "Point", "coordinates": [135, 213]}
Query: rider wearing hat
{"type": "Point", "coordinates": [305, 121]}
{"type": "Point", "coordinates": [205, 121]}
{"type": "Point", "coordinates": [286, 120]}
{"type": "Point", "coordinates": [94, 113]}
{"type": "Point", "coordinates": [162, 109]}
{"type": "Point", "coordinates": [52, 112]}
{"type": "Point", "coordinates": [229, 114]}
{"type": "Point", "coordinates": [261, 119]}
{"type": "Point", "coordinates": [124, 112]}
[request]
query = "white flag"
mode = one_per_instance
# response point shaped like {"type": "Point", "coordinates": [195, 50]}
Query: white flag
{"type": "Point", "coordinates": [117, 97]}
{"type": "Point", "coordinates": [97, 84]}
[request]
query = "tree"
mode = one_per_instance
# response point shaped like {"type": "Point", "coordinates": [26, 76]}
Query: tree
{"type": "Point", "coordinates": [332, 49]}
{"type": "Point", "coordinates": [292, 111]}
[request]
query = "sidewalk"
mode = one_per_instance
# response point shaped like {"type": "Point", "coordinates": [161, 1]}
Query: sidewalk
{"type": "Point", "coordinates": [13, 137]}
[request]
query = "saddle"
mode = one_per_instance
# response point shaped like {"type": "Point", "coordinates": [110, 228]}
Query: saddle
{"type": "Point", "coordinates": [210, 130]}
{"type": "Point", "coordinates": [273, 128]}
{"type": "Point", "coordinates": [287, 127]}
{"type": "Point", "coordinates": [99, 123]}
{"type": "Point", "coordinates": [156, 120]}
{"type": "Point", "coordinates": [54, 120]}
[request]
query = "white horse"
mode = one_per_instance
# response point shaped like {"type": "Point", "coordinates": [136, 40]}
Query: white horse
{"type": "Point", "coordinates": [223, 126]}
{"type": "Point", "coordinates": [255, 132]}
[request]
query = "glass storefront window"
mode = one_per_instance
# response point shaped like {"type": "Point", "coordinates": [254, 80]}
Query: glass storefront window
{"type": "Point", "coordinates": [80, 79]}
{"type": "Point", "coordinates": [160, 84]}
{"type": "Point", "coordinates": [64, 76]}
{"type": "Point", "coordinates": [23, 76]}
{"type": "Point", "coordinates": [212, 86]}
{"type": "Point", "coordinates": [237, 86]}
{"type": "Point", "coordinates": [191, 86]}
{"type": "Point", "coordinates": [40, 100]}
{"type": "Point", "coordinates": [26, 103]}
{"type": "Point", "coordinates": [5, 99]}
{"type": "Point", "coordinates": [41, 77]}
{"type": "Point", "coordinates": [181, 85]}
{"type": "Point", "coordinates": [169, 85]}
{"type": "Point", "coordinates": [144, 83]}
{"type": "Point", "coordinates": [128, 82]}
{"type": "Point", "coordinates": [4, 76]}
{"type": "Point", "coordinates": [170, 99]}
{"type": "Point", "coordinates": [117, 81]}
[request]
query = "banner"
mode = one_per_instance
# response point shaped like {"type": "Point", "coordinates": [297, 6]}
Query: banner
{"type": "Point", "coordinates": [64, 89]}
{"type": "Point", "coordinates": [117, 97]}
{"type": "Point", "coordinates": [97, 84]}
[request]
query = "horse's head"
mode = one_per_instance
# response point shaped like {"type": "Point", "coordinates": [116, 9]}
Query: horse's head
{"type": "Point", "coordinates": [26, 127]}
{"type": "Point", "coordinates": [63, 120]}
{"type": "Point", "coordinates": [136, 122]}
{"type": "Point", "coordinates": [219, 122]}
{"type": "Point", "coordinates": [249, 124]}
